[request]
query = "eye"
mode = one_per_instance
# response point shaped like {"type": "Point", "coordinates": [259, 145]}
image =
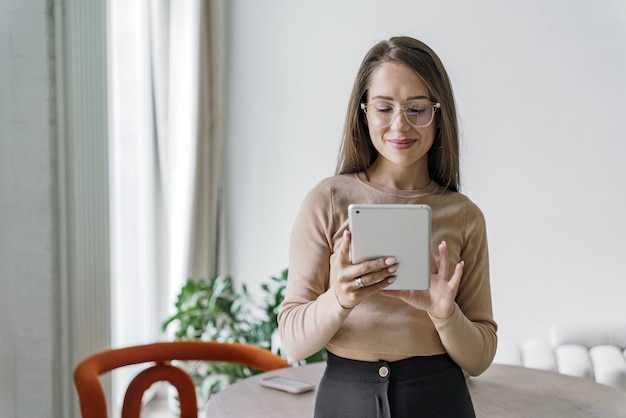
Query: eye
{"type": "Point", "coordinates": [382, 107]}
{"type": "Point", "coordinates": [416, 108]}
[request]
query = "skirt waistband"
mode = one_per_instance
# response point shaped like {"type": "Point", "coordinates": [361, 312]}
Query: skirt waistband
{"type": "Point", "coordinates": [376, 371]}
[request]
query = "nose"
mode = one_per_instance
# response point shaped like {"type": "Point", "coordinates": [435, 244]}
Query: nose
{"type": "Point", "coordinates": [399, 122]}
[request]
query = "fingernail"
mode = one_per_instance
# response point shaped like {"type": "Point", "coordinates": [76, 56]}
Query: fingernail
{"type": "Point", "coordinates": [392, 269]}
{"type": "Point", "coordinates": [391, 279]}
{"type": "Point", "coordinates": [443, 243]}
{"type": "Point", "coordinates": [391, 261]}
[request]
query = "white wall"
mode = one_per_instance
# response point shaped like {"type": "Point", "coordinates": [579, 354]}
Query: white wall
{"type": "Point", "coordinates": [541, 95]}
{"type": "Point", "coordinates": [29, 367]}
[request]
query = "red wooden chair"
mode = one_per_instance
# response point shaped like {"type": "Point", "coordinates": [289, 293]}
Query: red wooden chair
{"type": "Point", "coordinates": [91, 394]}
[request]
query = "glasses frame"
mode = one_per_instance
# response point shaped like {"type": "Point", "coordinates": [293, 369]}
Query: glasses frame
{"type": "Point", "coordinates": [403, 108]}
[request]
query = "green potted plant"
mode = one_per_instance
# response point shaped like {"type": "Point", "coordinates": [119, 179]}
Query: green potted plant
{"type": "Point", "coordinates": [214, 309]}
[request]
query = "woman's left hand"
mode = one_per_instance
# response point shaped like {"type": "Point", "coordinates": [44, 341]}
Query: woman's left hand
{"type": "Point", "coordinates": [438, 299]}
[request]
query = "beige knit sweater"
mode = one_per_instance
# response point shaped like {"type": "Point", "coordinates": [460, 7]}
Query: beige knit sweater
{"type": "Point", "coordinates": [382, 327]}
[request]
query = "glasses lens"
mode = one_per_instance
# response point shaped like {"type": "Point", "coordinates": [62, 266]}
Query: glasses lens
{"type": "Point", "coordinates": [419, 114]}
{"type": "Point", "coordinates": [382, 114]}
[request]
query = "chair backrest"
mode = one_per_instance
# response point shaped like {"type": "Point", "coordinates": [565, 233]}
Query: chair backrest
{"type": "Point", "coordinates": [589, 334]}
{"type": "Point", "coordinates": [91, 394]}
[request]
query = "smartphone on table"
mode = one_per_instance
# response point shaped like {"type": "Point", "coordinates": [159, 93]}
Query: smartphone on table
{"type": "Point", "coordinates": [287, 384]}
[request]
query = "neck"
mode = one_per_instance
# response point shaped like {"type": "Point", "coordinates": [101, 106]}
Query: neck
{"type": "Point", "coordinates": [399, 178]}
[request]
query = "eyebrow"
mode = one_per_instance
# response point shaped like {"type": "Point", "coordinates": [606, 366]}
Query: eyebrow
{"type": "Point", "coordinates": [408, 98]}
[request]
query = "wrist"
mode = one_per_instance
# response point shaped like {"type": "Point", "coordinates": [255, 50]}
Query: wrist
{"type": "Point", "coordinates": [438, 315]}
{"type": "Point", "coordinates": [342, 305]}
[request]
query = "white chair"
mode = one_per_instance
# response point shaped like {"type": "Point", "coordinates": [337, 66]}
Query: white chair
{"type": "Point", "coordinates": [591, 351]}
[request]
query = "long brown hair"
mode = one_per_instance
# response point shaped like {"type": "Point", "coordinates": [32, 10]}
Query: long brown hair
{"type": "Point", "coordinates": [357, 152]}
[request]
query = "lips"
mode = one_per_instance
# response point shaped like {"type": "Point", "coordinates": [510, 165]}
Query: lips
{"type": "Point", "coordinates": [401, 143]}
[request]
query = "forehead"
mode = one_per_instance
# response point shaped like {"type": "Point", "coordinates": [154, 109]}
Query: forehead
{"type": "Point", "coordinates": [396, 81]}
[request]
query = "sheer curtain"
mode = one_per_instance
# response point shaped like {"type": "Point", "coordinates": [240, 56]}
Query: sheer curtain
{"type": "Point", "coordinates": [207, 249]}
{"type": "Point", "coordinates": [166, 104]}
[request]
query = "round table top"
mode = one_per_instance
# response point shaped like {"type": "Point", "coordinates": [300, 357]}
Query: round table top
{"type": "Point", "coordinates": [502, 391]}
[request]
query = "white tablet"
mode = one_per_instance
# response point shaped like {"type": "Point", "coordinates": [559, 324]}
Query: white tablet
{"type": "Point", "coordinates": [401, 231]}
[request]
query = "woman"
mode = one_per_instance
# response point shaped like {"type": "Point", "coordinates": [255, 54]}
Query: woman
{"type": "Point", "coordinates": [393, 353]}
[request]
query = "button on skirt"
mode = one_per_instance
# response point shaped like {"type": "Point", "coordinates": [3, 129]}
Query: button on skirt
{"type": "Point", "coordinates": [425, 386]}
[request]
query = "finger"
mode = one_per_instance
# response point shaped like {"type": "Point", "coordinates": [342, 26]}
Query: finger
{"type": "Point", "coordinates": [343, 251]}
{"type": "Point", "coordinates": [359, 283]}
{"type": "Point", "coordinates": [443, 259]}
{"type": "Point", "coordinates": [455, 280]}
{"type": "Point", "coordinates": [380, 285]}
{"type": "Point", "coordinates": [375, 271]}
{"type": "Point", "coordinates": [344, 247]}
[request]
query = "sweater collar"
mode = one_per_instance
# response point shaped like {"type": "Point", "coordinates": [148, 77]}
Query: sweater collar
{"type": "Point", "coordinates": [431, 188]}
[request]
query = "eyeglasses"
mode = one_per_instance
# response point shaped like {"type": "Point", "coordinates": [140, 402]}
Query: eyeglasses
{"type": "Point", "coordinates": [418, 115]}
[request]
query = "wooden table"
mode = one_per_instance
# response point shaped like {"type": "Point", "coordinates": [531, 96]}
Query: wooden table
{"type": "Point", "coordinates": [502, 391]}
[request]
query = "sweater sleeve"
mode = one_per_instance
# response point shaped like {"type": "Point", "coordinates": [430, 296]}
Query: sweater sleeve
{"type": "Point", "coordinates": [310, 314]}
{"type": "Point", "coordinates": [469, 334]}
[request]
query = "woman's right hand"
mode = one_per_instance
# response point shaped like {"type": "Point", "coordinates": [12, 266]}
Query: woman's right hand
{"type": "Point", "coordinates": [374, 274]}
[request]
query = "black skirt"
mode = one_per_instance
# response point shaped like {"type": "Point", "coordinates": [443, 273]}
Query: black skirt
{"type": "Point", "coordinates": [425, 386]}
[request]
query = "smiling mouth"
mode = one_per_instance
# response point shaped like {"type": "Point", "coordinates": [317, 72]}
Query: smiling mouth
{"type": "Point", "coordinates": [402, 143]}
